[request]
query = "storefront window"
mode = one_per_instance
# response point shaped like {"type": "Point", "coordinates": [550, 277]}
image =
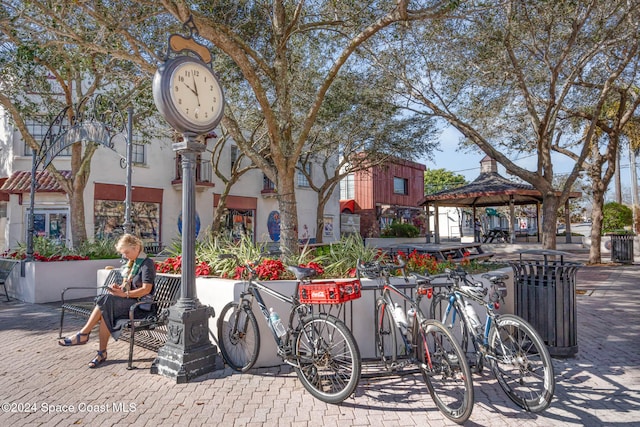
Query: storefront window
{"type": "Point", "coordinates": [239, 223]}
{"type": "Point", "coordinates": [109, 219]}
{"type": "Point", "coordinates": [50, 224]}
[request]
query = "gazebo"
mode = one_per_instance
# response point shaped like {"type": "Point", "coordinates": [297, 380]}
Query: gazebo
{"type": "Point", "coordinates": [490, 189]}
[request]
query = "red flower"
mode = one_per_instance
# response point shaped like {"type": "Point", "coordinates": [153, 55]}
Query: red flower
{"type": "Point", "coordinates": [203, 269]}
{"type": "Point", "coordinates": [270, 269]}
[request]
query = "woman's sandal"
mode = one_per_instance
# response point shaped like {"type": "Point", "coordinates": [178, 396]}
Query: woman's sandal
{"type": "Point", "coordinates": [97, 361]}
{"type": "Point", "coordinates": [74, 340]}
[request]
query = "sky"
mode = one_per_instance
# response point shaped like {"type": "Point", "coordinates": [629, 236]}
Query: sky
{"type": "Point", "coordinates": [467, 164]}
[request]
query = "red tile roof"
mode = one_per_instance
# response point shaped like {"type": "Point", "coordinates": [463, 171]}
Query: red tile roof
{"type": "Point", "coordinates": [20, 182]}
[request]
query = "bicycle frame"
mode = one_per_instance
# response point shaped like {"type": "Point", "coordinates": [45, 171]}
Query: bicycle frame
{"type": "Point", "coordinates": [456, 302]}
{"type": "Point", "coordinates": [387, 289]}
{"type": "Point", "coordinates": [252, 292]}
{"type": "Point", "coordinates": [456, 295]}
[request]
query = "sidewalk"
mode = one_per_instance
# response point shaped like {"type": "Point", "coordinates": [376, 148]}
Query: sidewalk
{"type": "Point", "coordinates": [51, 385]}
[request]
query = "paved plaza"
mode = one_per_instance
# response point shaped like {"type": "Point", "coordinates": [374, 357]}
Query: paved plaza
{"type": "Point", "coordinates": [44, 384]}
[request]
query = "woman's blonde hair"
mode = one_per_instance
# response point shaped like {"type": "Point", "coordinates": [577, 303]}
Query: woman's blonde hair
{"type": "Point", "coordinates": [128, 241]}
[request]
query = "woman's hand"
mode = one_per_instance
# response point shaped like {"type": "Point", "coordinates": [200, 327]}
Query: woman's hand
{"type": "Point", "coordinates": [117, 291]}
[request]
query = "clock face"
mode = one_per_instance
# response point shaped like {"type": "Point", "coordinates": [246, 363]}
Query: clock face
{"type": "Point", "coordinates": [196, 94]}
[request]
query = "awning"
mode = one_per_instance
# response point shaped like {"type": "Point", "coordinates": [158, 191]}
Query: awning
{"type": "Point", "coordinates": [347, 205]}
{"type": "Point", "coordinates": [20, 182]}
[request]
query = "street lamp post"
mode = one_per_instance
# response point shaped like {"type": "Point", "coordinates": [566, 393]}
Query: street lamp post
{"type": "Point", "coordinates": [188, 352]}
{"type": "Point", "coordinates": [128, 226]}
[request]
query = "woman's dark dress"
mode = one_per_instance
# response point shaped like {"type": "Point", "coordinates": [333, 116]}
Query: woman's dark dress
{"type": "Point", "coordinates": [115, 309]}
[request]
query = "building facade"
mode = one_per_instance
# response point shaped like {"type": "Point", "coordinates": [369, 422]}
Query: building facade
{"type": "Point", "coordinates": [156, 194]}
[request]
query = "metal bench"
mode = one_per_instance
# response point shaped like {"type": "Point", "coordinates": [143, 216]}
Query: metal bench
{"type": "Point", "coordinates": [149, 332]}
{"type": "Point", "coordinates": [6, 266]}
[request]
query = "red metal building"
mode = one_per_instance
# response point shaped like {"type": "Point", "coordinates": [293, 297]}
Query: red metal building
{"type": "Point", "coordinates": [385, 193]}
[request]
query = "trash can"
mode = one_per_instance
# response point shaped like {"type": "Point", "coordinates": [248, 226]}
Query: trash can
{"type": "Point", "coordinates": [545, 296]}
{"type": "Point", "coordinates": [622, 248]}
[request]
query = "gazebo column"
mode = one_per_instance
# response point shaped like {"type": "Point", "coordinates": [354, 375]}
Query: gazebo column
{"type": "Point", "coordinates": [538, 221]}
{"type": "Point", "coordinates": [428, 230]}
{"type": "Point", "coordinates": [512, 220]}
{"type": "Point", "coordinates": [436, 224]}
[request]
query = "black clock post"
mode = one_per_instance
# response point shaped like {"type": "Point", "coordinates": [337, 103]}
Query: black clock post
{"type": "Point", "coordinates": [188, 352]}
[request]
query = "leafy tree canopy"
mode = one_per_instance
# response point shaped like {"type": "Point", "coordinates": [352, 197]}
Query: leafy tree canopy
{"type": "Point", "coordinates": [436, 180]}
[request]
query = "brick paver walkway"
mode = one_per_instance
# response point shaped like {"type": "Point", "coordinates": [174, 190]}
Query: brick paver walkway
{"type": "Point", "coordinates": [44, 384]}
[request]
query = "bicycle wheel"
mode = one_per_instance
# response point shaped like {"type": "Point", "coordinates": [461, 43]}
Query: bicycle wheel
{"type": "Point", "coordinates": [438, 311]}
{"type": "Point", "coordinates": [522, 364]}
{"type": "Point", "coordinates": [328, 358]}
{"type": "Point", "coordinates": [445, 370]}
{"type": "Point", "coordinates": [238, 337]}
{"type": "Point", "coordinates": [386, 333]}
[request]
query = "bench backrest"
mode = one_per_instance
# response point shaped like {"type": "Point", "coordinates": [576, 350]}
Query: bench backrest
{"type": "Point", "coordinates": [6, 265]}
{"type": "Point", "coordinates": [166, 290]}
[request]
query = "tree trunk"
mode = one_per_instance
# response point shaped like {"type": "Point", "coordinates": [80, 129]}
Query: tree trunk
{"type": "Point", "coordinates": [218, 214]}
{"type": "Point", "coordinates": [550, 205]}
{"type": "Point", "coordinates": [322, 202]}
{"type": "Point", "coordinates": [76, 204]}
{"type": "Point", "coordinates": [288, 212]}
{"type": "Point", "coordinates": [595, 254]}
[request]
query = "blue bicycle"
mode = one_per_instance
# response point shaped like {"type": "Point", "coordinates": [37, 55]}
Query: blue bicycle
{"type": "Point", "coordinates": [515, 352]}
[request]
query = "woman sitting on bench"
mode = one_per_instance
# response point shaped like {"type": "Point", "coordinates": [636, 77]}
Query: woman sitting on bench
{"type": "Point", "coordinates": [112, 308]}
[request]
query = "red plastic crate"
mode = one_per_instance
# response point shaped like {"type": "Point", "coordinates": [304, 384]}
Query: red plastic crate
{"type": "Point", "coordinates": [329, 292]}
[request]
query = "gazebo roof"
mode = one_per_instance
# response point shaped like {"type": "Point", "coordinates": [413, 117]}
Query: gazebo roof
{"type": "Point", "coordinates": [488, 189]}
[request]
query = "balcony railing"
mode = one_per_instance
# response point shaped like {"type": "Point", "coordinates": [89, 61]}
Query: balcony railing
{"type": "Point", "coordinates": [204, 173]}
{"type": "Point", "coordinates": [268, 187]}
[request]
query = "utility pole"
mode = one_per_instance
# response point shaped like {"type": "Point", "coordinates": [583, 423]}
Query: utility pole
{"type": "Point", "coordinates": [634, 190]}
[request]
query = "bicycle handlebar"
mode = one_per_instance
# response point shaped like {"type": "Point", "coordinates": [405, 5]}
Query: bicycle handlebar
{"type": "Point", "coordinates": [378, 266]}
{"type": "Point", "coordinates": [496, 292]}
{"type": "Point", "coordinates": [374, 269]}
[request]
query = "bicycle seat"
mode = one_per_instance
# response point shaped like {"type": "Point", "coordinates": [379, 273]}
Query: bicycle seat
{"type": "Point", "coordinates": [302, 273]}
{"type": "Point", "coordinates": [495, 277]}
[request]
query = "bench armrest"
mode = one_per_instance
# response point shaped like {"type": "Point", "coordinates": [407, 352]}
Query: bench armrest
{"type": "Point", "coordinates": [72, 288]}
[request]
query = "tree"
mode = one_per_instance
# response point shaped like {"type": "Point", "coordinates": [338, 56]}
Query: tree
{"type": "Point", "coordinates": [40, 76]}
{"type": "Point", "coordinates": [514, 77]}
{"type": "Point", "coordinates": [290, 55]}
{"type": "Point", "coordinates": [436, 180]}
{"type": "Point", "coordinates": [615, 121]}
{"type": "Point", "coordinates": [287, 54]}
{"type": "Point", "coordinates": [236, 170]}
{"type": "Point", "coordinates": [359, 121]}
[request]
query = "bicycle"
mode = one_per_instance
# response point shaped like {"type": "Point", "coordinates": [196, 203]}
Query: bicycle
{"type": "Point", "coordinates": [515, 352]}
{"type": "Point", "coordinates": [319, 346]}
{"type": "Point", "coordinates": [423, 342]}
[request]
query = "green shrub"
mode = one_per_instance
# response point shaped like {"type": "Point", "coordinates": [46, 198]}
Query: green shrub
{"type": "Point", "coordinates": [46, 249]}
{"type": "Point", "coordinates": [398, 229]}
{"type": "Point", "coordinates": [615, 217]}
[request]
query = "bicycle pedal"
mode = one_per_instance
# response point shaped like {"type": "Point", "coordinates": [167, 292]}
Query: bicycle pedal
{"type": "Point", "coordinates": [284, 352]}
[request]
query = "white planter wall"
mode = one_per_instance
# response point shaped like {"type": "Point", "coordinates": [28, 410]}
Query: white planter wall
{"type": "Point", "coordinates": [44, 281]}
{"type": "Point", "coordinates": [360, 313]}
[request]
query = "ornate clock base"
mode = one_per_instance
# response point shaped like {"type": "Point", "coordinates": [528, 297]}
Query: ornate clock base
{"type": "Point", "coordinates": [188, 352]}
